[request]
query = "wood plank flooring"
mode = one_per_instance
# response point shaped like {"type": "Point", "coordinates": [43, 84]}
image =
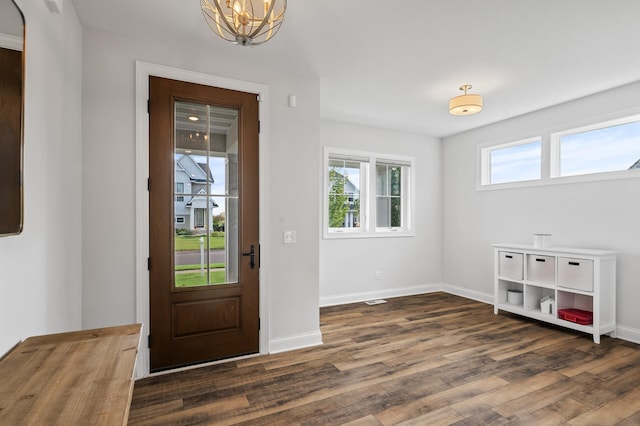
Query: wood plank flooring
{"type": "Point", "coordinates": [421, 360]}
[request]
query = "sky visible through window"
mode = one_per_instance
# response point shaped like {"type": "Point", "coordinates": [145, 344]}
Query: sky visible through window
{"type": "Point", "coordinates": [602, 150]}
{"type": "Point", "coordinates": [516, 163]}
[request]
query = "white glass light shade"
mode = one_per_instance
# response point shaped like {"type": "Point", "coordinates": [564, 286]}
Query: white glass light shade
{"type": "Point", "coordinates": [244, 22]}
{"type": "Point", "coordinates": [465, 104]}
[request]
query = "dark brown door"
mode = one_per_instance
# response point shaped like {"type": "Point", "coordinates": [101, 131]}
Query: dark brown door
{"type": "Point", "coordinates": [203, 208]}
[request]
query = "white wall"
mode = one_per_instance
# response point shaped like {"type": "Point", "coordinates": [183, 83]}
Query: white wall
{"type": "Point", "coordinates": [108, 199]}
{"type": "Point", "coordinates": [40, 269]}
{"type": "Point", "coordinates": [600, 214]}
{"type": "Point", "coordinates": [407, 265]}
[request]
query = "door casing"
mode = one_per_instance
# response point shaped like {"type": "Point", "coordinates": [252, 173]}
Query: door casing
{"type": "Point", "coordinates": [143, 71]}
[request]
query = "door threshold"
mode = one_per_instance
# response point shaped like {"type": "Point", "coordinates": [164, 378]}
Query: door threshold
{"type": "Point", "coordinates": [204, 364]}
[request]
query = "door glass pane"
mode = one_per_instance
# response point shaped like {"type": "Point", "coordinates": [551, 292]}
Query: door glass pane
{"type": "Point", "coordinates": [206, 197]}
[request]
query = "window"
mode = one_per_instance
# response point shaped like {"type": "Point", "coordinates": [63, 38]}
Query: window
{"type": "Point", "coordinates": [351, 209]}
{"type": "Point", "coordinates": [606, 147]}
{"type": "Point", "coordinates": [179, 190]}
{"type": "Point", "coordinates": [513, 162]}
{"type": "Point", "coordinates": [600, 151]}
{"type": "Point", "coordinates": [389, 195]}
{"type": "Point", "coordinates": [344, 184]}
{"type": "Point", "coordinates": [179, 220]}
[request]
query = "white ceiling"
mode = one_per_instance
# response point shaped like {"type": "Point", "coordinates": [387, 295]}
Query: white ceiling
{"type": "Point", "coordinates": [396, 64]}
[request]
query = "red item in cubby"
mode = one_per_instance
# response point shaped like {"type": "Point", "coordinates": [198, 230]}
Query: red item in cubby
{"type": "Point", "coordinates": [576, 315]}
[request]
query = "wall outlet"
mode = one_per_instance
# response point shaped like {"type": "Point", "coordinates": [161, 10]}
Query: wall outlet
{"type": "Point", "coordinates": [377, 275]}
{"type": "Point", "coordinates": [289, 237]}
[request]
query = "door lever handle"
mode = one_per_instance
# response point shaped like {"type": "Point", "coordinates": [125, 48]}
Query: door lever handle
{"type": "Point", "coordinates": [252, 256]}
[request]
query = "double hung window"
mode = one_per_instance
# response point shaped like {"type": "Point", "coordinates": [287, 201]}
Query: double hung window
{"type": "Point", "coordinates": [366, 194]}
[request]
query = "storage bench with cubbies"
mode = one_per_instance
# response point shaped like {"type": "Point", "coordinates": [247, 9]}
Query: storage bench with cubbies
{"type": "Point", "coordinates": [569, 287]}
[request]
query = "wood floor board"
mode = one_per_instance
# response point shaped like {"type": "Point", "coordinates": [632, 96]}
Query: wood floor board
{"type": "Point", "coordinates": [433, 359]}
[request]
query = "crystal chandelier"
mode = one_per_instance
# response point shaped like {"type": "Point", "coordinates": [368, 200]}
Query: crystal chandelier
{"type": "Point", "coordinates": [244, 22]}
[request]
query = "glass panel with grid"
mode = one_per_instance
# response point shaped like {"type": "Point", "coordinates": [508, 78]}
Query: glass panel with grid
{"type": "Point", "coordinates": [206, 195]}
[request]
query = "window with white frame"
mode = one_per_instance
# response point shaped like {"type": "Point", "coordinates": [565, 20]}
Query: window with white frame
{"type": "Point", "coordinates": [389, 195]}
{"type": "Point", "coordinates": [512, 162]}
{"type": "Point", "coordinates": [366, 194]}
{"type": "Point", "coordinates": [605, 147]}
{"type": "Point", "coordinates": [345, 178]}
{"type": "Point", "coordinates": [600, 151]}
{"type": "Point", "coordinates": [179, 190]}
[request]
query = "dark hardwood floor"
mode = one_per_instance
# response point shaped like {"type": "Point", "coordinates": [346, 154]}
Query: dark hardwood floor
{"type": "Point", "coordinates": [420, 360]}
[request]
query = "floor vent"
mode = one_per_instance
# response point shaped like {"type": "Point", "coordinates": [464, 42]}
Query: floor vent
{"type": "Point", "coordinates": [375, 302]}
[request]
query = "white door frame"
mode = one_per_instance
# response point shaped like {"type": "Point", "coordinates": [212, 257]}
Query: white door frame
{"type": "Point", "coordinates": [143, 71]}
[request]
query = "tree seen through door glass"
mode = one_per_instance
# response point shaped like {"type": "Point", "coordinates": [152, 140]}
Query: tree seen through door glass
{"type": "Point", "coordinates": [206, 195]}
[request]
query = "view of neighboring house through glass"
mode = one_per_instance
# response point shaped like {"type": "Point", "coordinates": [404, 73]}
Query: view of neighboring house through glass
{"type": "Point", "coordinates": [206, 195]}
{"type": "Point", "coordinates": [360, 203]}
{"type": "Point", "coordinates": [344, 193]}
{"type": "Point", "coordinates": [607, 147]}
{"type": "Point", "coordinates": [515, 162]}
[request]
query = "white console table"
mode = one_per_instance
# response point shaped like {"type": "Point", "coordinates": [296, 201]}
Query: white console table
{"type": "Point", "coordinates": [575, 278]}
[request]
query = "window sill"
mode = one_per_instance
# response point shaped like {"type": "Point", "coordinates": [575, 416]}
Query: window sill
{"type": "Point", "coordinates": [337, 235]}
{"type": "Point", "coordinates": [561, 180]}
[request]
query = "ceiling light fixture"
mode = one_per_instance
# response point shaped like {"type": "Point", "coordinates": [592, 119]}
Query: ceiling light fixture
{"type": "Point", "coordinates": [465, 104]}
{"type": "Point", "coordinates": [244, 22]}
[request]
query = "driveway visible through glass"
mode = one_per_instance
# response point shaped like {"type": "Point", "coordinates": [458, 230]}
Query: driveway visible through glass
{"type": "Point", "coordinates": [205, 195]}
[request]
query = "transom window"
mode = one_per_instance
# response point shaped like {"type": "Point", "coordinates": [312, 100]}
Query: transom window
{"type": "Point", "coordinates": [362, 203]}
{"type": "Point", "coordinates": [607, 147]}
{"type": "Point", "coordinates": [605, 150]}
{"type": "Point", "coordinates": [514, 162]}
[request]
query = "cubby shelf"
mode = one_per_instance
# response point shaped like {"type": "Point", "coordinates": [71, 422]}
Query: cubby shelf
{"type": "Point", "coordinates": [575, 278]}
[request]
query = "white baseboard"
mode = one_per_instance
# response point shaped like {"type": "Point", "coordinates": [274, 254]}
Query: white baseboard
{"type": "Point", "coordinates": [298, 341]}
{"type": "Point", "coordinates": [378, 294]}
{"type": "Point", "coordinates": [627, 333]}
{"type": "Point", "coordinates": [469, 294]}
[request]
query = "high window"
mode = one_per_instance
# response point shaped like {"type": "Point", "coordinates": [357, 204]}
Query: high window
{"type": "Point", "coordinates": [366, 194]}
{"type": "Point", "coordinates": [605, 147]}
{"type": "Point", "coordinates": [512, 162]}
{"type": "Point", "coordinates": [599, 151]}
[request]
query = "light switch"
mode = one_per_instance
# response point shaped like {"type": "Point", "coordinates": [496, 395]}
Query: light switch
{"type": "Point", "coordinates": [289, 237]}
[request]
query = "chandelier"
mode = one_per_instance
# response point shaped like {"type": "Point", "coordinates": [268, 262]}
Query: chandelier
{"type": "Point", "coordinates": [244, 22]}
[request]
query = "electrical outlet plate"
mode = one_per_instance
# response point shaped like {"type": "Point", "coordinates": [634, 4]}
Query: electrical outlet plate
{"type": "Point", "coordinates": [289, 237]}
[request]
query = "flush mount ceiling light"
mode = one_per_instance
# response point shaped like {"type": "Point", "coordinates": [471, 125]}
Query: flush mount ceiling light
{"type": "Point", "coordinates": [244, 22]}
{"type": "Point", "coordinates": [465, 104]}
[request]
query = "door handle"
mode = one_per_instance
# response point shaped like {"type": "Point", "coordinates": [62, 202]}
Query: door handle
{"type": "Point", "coordinates": [252, 256]}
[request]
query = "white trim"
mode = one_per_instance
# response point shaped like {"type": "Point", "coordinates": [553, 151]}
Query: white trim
{"type": "Point", "coordinates": [299, 341]}
{"type": "Point", "coordinates": [468, 294]}
{"type": "Point", "coordinates": [379, 294]}
{"type": "Point", "coordinates": [143, 71]}
{"type": "Point", "coordinates": [627, 333]}
{"type": "Point", "coordinates": [13, 42]}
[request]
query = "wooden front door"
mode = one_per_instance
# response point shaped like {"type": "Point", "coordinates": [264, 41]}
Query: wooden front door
{"type": "Point", "coordinates": [203, 205]}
